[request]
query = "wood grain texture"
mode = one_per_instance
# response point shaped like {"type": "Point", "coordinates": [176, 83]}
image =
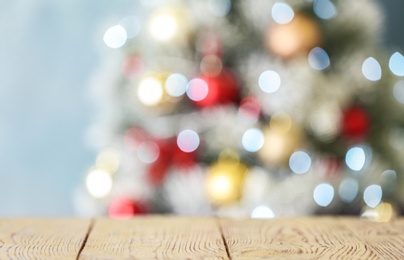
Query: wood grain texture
{"type": "Point", "coordinates": [384, 240]}
{"type": "Point", "coordinates": [42, 238]}
{"type": "Point", "coordinates": [169, 237]}
{"type": "Point", "coordinates": [313, 238]}
{"type": "Point", "coordinates": [155, 237]}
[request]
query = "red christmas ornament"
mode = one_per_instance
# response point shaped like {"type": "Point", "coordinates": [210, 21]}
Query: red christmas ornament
{"type": "Point", "coordinates": [124, 208]}
{"type": "Point", "coordinates": [158, 169]}
{"type": "Point", "coordinates": [170, 155]}
{"type": "Point", "coordinates": [183, 159]}
{"type": "Point", "coordinates": [355, 123]}
{"type": "Point", "coordinates": [221, 89]}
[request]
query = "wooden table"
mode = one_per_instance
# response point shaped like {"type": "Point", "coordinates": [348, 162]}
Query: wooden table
{"type": "Point", "coordinates": [171, 237]}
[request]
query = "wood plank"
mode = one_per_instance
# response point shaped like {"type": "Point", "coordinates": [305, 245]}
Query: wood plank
{"type": "Point", "coordinates": [316, 237]}
{"type": "Point", "coordinates": [385, 240]}
{"type": "Point", "coordinates": [155, 237]}
{"type": "Point", "coordinates": [42, 238]}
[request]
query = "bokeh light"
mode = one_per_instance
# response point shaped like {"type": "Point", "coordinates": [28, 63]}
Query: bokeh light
{"type": "Point", "coordinates": [324, 9]}
{"type": "Point", "coordinates": [300, 162]}
{"type": "Point", "coordinates": [396, 64]}
{"type": "Point", "coordinates": [148, 151]}
{"type": "Point", "coordinates": [220, 187]}
{"type": "Point", "coordinates": [278, 137]}
{"type": "Point", "coordinates": [115, 37]}
{"type": "Point", "coordinates": [371, 69]}
{"type": "Point", "coordinates": [385, 212]}
{"type": "Point", "coordinates": [131, 24]}
{"type": "Point", "coordinates": [188, 140]}
{"type": "Point", "coordinates": [389, 177]}
{"type": "Point", "coordinates": [396, 138]}
{"type": "Point", "coordinates": [163, 27]}
{"type": "Point", "coordinates": [108, 160]}
{"type": "Point", "coordinates": [262, 212]}
{"type": "Point", "coordinates": [355, 158]}
{"type": "Point", "coordinates": [398, 91]}
{"type": "Point", "coordinates": [389, 174]}
{"type": "Point", "coordinates": [176, 85]}
{"type": "Point", "coordinates": [269, 81]}
{"type": "Point", "coordinates": [150, 91]}
{"type": "Point", "coordinates": [98, 183]}
{"type": "Point", "coordinates": [197, 89]}
{"type": "Point", "coordinates": [253, 140]}
{"type": "Point", "coordinates": [373, 195]}
{"type": "Point", "coordinates": [324, 120]}
{"type": "Point", "coordinates": [282, 13]}
{"type": "Point", "coordinates": [323, 194]}
{"type": "Point", "coordinates": [219, 8]}
{"type": "Point", "coordinates": [348, 189]}
{"type": "Point", "coordinates": [318, 59]}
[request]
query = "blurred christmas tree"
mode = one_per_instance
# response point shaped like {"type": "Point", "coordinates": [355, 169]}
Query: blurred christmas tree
{"type": "Point", "coordinates": [248, 108]}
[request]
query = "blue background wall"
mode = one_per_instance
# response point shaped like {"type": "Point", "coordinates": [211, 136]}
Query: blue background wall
{"type": "Point", "coordinates": [48, 51]}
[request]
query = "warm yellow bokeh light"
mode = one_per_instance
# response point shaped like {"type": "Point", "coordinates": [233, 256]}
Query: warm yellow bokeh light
{"type": "Point", "coordinates": [384, 212]}
{"type": "Point", "coordinates": [163, 27]}
{"type": "Point", "coordinates": [108, 160]}
{"type": "Point", "coordinates": [150, 91]}
{"type": "Point", "coordinates": [99, 183]}
{"type": "Point", "coordinates": [221, 187]}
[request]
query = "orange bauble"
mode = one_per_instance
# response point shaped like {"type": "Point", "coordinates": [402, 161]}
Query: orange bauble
{"type": "Point", "coordinates": [293, 39]}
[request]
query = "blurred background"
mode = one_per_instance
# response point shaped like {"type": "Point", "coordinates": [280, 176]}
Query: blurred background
{"type": "Point", "coordinates": [49, 52]}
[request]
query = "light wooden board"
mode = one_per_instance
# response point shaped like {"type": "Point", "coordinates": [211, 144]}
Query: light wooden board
{"type": "Point", "coordinates": [155, 237]}
{"type": "Point", "coordinates": [384, 240]}
{"type": "Point", "coordinates": [170, 237]}
{"type": "Point", "coordinates": [42, 238]}
{"type": "Point", "coordinates": [313, 238]}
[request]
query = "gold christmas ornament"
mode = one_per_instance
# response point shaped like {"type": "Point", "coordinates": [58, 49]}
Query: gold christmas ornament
{"type": "Point", "coordinates": [295, 38]}
{"type": "Point", "coordinates": [225, 181]}
{"type": "Point", "coordinates": [282, 138]}
{"type": "Point", "coordinates": [151, 92]}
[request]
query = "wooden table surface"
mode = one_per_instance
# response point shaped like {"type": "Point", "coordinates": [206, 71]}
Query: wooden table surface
{"type": "Point", "coordinates": [172, 237]}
